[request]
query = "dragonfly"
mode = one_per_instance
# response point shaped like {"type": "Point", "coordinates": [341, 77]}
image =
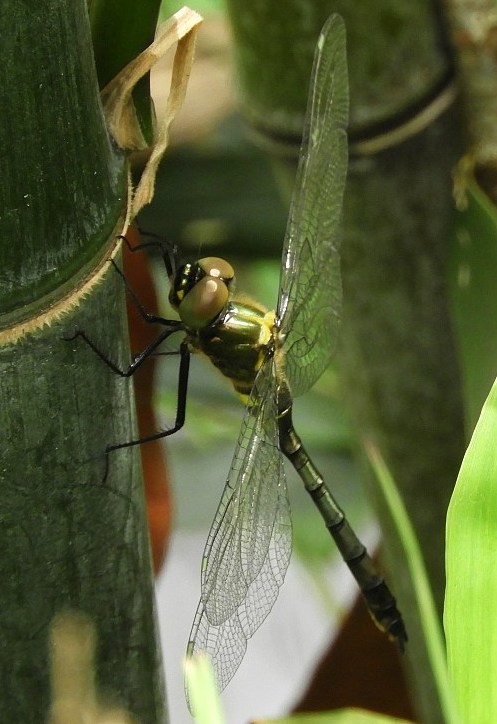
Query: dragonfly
{"type": "Point", "coordinates": [270, 358]}
{"type": "Point", "coordinates": [249, 545]}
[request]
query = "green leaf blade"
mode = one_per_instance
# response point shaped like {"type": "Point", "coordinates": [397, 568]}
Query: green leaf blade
{"type": "Point", "coordinates": [432, 658]}
{"type": "Point", "coordinates": [470, 616]}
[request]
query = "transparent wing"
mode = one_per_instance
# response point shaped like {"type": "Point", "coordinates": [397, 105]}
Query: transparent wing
{"type": "Point", "coordinates": [249, 545]}
{"type": "Point", "coordinates": [309, 305]}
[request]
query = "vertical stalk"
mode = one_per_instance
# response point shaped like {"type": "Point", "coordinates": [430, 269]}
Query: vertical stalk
{"type": "Point", "coordinates": [71, 537]}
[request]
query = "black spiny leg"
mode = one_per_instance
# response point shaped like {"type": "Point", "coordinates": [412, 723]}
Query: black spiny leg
{"type": "Point", "coordinates": [184, 368]}
{"type": "Point", "coordinates": [170, 327]}
{"type": "Point", "coordinates": [167, 251]}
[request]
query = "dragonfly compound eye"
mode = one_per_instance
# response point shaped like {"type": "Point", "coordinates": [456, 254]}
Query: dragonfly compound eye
{"type": "Point", "coordinates": [203, 303]}
{"type": "Point", "coordinates": [213, 266]}
{"type": "Point", "coordinates": [190, 275]}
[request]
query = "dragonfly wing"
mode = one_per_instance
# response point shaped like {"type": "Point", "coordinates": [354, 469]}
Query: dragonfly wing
{"type": "Point", "coordinates": [226, 644]}
{"type": "Point", "coordinates": [309, 305]}
{"type": "Point", "coordinates": [249, 545]}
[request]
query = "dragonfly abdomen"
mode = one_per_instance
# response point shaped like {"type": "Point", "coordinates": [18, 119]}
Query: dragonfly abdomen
{"type": "Point", "coordinates": [379, 600]}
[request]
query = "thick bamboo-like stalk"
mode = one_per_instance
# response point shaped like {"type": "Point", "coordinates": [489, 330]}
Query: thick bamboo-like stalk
{"type": "Point", "coordinates": [394, 49]}
{"type": "Point", "coordinates": [398, 353]}
{"type": "Point", "coordinates": [70, 537]}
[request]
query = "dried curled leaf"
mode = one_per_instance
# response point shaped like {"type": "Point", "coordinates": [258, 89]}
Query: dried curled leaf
{"type": "Point", "coordinates": [181, 28]}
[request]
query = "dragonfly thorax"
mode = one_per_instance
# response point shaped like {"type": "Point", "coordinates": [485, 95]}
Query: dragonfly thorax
{"type": "Point", "coordinates": [200, 291]}
{"type": "Point", "coordinates": [238, 341]}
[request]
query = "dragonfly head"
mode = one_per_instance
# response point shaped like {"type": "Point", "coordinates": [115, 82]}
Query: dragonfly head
{"type": "Point", "coordinates": [200, 290]}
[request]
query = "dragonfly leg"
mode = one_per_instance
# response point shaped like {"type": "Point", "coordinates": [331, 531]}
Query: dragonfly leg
{"type": "Point", "coordinates": [167, 250]}
{"type": "Point", "coordinates": [146, 316]}
{"type": "Point", "coordinates": [379, 600]}
{"type": "Point", "coordinates": [172, 327]}
{"type": "Point", "coordinates": [184, 368]}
